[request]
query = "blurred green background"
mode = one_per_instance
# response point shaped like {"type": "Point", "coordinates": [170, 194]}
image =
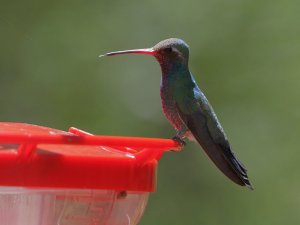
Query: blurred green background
{"type": "Point", "coordinates": [244, 55]}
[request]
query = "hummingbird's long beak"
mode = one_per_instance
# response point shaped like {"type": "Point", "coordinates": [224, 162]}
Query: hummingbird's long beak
{"type": "Point", "coordinates": [147, 51]}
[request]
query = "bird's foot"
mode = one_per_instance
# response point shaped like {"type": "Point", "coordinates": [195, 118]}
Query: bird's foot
{"type": "Point", "coordinates": [180, 141]}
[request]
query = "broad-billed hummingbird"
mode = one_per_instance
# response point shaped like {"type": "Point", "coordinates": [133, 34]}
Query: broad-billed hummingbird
{"type": "Point", "coordinates": [187, 108]}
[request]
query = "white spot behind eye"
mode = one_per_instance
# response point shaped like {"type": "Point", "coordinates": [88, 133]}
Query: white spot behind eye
{"type": "Point", "coordinates": [175, 50]}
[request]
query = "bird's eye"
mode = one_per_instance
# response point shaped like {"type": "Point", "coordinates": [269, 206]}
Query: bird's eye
{"type": "Point", "coordinates": [169, 49]}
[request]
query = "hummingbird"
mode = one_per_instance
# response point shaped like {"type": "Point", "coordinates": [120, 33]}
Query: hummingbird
{"type": "Point", "coordinates": [188, 110]}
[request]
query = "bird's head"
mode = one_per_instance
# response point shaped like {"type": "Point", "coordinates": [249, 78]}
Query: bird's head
{"type": "Point", "coordinates": [172, 51]}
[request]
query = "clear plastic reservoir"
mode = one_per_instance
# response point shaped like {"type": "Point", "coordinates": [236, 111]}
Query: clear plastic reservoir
{"type": "Point", "coordinates": [22, 206]}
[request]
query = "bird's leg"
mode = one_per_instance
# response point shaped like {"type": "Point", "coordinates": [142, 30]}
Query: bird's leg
{"type": "Point", "coordinates": [180, 135]}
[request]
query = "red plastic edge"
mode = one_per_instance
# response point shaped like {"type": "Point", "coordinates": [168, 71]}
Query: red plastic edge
{"type": "Point", "coordinates": [36, 156]}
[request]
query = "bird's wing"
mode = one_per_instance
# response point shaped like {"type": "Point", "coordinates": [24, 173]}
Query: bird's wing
{"type": "Point", "coordinates": [197, 114]}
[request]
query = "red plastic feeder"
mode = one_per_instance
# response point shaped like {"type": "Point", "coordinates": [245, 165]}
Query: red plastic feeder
{"type": "Point", "coordinates": [51, 177]}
